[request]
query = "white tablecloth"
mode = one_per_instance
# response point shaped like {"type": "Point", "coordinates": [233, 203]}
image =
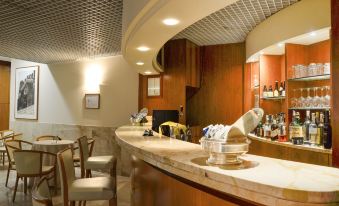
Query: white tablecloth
{"type": "Point", "coordinates": [52, 146]}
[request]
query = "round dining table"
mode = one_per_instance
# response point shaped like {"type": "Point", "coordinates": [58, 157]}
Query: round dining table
{"type": "Point", "coordinates": [52, 146]}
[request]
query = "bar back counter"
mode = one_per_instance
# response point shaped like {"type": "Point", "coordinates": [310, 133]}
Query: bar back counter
{"type": "Point", "coordinates": [167, 171]}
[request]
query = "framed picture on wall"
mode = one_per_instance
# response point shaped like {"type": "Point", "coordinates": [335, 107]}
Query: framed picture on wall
{"type": "Point", "coordinates": [92, 101]}
{"type": "Point", "coordinates": [26, 92]}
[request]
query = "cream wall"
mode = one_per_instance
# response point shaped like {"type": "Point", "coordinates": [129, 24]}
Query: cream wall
{"type": "Point", "coordinates": [62, 88]}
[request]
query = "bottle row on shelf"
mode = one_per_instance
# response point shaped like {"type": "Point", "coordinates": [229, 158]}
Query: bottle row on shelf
{"type": "Point", "coordinates": [313, 69]}
{"type": "Point", "coordinates": [279, 91]}
{"type": "Point", "coordinates": [314, 131]}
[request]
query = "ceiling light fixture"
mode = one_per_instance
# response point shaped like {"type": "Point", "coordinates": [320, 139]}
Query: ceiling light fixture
{"type": "Point", "coordinates": [148, 72]}
{"type": "Point", "coordinates": [143, 48]}
{"type": "Point", "coordinates": [280, 45]}
{"type": "Point", "coordinates": [261, 52]}
{"type": "Point", "coordinates": [140, 63]}
{"type": "Point", "coordinates": [170, 21]}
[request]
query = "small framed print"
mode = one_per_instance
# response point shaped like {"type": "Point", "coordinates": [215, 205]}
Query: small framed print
{"type": "Point", "coordinates": [92, 101]}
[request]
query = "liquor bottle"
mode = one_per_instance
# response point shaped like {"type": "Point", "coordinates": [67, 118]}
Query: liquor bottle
{"type": "Point", "coordinates": [281, 88]}
{"type": "Point", "coordinates": [306, 127]}
{"type": "Point", "coordinates": [188, 134]}
{"type": "Point", "coordinates": [327, 135]}
{"type": "Point", "coordinates": [276, 90]}
{"type": "Point", "coordinates": [313, 130]}
{"type": "Point", "coordinates": [282, 128]}
{"type": "Point", "coordinates": [283, 93]}
{"type": "Point", "coordinates": [259, 130]}
{"type": "Point", "coordinates": [320, 130]}
{"type": "Point", "coordinates": [295, 128]}
{"type": "Point", "coordinates": [267, 127]}
{"type": "Point", "coordinates": [264, 93]}
{"type": "Point", "coordinates": [274, 130]}
{"type": "Point", "coordinates": [270, 92]}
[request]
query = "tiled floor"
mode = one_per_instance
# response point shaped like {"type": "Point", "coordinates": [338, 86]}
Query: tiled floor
{"type": "Point", "coordinates": [25, 200]}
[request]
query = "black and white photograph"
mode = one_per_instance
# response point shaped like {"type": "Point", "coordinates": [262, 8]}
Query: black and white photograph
{"type": "Point", "coordinates": [26, 92]}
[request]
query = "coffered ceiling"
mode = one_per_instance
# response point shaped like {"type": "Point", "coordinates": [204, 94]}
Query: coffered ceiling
{"type": "Point", "coordinates": [50, 31]}
{"type": "Point", "coordinates": [232, 23]}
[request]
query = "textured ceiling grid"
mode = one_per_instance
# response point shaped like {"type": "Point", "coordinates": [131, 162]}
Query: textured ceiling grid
{"type": "Point", "coordinates": [49, 31]}
{"type": "Point", "coordinates": [232, 23]}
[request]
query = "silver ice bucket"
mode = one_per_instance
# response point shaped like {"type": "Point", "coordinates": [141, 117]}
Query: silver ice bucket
{"type": "Point", "coordinates": [223, 153]}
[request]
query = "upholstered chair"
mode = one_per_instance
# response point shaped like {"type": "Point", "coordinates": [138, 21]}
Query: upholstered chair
{"type": "Point", "coordinates": [85, 189]}
{"type": "Point", "coordinates": [4, 135]}
{"type": "Point", "coordinates": [11, 146]}
{"type": "Point", "coordinates": [48, 137]}
{"type": "Point", "coordinates": [76, 152]}
{"type": "Point", "coordinates": [41, 195]}
{"type": "Point", "coordinates": [28, 163]}
{"type": "Point", "coordinates": [88, 163]}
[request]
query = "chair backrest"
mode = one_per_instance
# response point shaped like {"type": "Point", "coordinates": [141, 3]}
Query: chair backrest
{"type": "Point", "coordinates": [12, 145]}
{"type": "Point", "coordinates": [6, 133]}
{"type": "Point", "coordinates": [84, 152]}
{"type": "Point", "coordinates": [28, 162]}
{"type": "Point", "coordinates": [41, 195]}
{"type": "Point", "coordinates": [48, 137]}
{"type": "Point", "coordinates": [66, 170]}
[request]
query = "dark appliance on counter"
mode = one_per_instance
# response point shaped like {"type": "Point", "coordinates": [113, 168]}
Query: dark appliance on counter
{"type": "Point", "coordinates": [161, 116]}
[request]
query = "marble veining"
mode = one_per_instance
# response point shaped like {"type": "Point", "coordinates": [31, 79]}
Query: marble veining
{"type": "Point", "coordinates": [264, 180]}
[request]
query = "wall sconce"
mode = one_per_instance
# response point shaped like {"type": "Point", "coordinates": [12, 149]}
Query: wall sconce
{"type": "Point", "coordinates": [93, 78]}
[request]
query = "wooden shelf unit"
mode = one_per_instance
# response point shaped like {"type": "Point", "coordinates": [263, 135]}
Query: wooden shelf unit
{"type": "Point", "coordinates": [279, 68]}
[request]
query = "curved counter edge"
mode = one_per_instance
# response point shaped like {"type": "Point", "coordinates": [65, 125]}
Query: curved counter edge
{"type": "Point", "coordinates": [271, 182]}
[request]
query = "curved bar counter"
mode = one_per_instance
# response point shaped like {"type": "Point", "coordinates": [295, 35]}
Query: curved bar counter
{"type": "Point", "coordinates": [160, 163]}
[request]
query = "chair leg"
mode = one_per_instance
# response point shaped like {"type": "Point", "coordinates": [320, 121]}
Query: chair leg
{"type": "Point", "coordinates": [55, 182]}
{"type": "Point", "coordinates": [25, 185]}
{"type": "Point", "coordinates": [15, 188]}
{"type": "Point", "coordinates": [112, 202]}
{"type": "Point", "coordinates": [3, 158]}
{"type": "Point", "coordinates": [72, 203]}
{"type": "Point", "coordinates": [88, 173]}
{"type": "Point", "coordinates": [8, 170]}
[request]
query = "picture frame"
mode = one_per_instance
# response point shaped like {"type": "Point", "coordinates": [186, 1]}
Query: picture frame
{"type": "Point", "coordinates": [92, 101]}
{"type": "Point", "coordinates": [26, 92]}
{"type": "Point", "coordinates": [154, 86]}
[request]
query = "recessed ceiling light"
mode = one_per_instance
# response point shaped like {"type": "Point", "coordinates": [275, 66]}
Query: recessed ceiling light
{"type": "Point", "coordinates": [140, 63]}
{"type": "Point", "coordinates": [280, 45]}
{"type": "Point", "coordinates": [313, 33]}
{"type": "Point", "coordinates": [148, 72]}
{"type": "Point", "coordinates": [261, 52]}
{"type": "Point", "coordinates": [170, 21]}
{"type": "Point", "coordinates": [143, 48]}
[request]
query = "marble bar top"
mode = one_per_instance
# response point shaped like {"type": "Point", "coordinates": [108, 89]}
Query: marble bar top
{"type": "Point", "coordinates": [259, 179]}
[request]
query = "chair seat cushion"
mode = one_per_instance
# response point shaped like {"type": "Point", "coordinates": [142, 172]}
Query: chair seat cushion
{"type": "Point", "coordinates": [3, 149]}
{"type": "Point", "coordinates": [100, 162]}
{"type": "Point", "coordinates": [96, 188]}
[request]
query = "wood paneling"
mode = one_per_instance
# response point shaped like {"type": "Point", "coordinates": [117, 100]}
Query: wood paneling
{"type": "Point", "coordinates": [4, 95]}
{"type": "Point", "coordinates": [220, 97]}
{"type": "Point", "coordinates": [271, 71]}
{"type": "Point", "coordinates": [192, 65]}
{"type": "Point", "coordinates": [154, 187]}
{"type": "Point", "coordinates": [288, 153]}
{"type": "Point", "coordinates": [335, 81]}
{"type": "Point", "coordinates": [173, 81]}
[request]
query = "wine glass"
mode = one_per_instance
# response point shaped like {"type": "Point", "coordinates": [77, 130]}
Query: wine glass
{"type": "Point", "coordinates": [308, 98]}
{"type": "Point", "coordinates": [327, 101]}
{"type": "Point", "coordinates": [294, 99]}
{"type": "Point", "coordinates": [301, 101]}
{"type": "Point", "coordinates": [316, 98]}
{"type": "Point", "coordinates": [322, 97]}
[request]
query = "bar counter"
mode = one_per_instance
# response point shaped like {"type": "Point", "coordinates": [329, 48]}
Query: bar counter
{"type": "Point", "coordinates": [258, 181]}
